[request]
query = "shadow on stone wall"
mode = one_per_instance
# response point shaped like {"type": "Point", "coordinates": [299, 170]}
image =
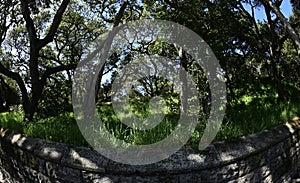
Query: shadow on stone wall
{"type": "Point", "coordinates": [268, 156]}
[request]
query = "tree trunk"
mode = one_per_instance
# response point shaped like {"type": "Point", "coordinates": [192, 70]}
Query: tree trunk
{"type": "Point", "coordinates": [278, 81]}
{"type": "Point", "coordinates": [98, 83]}
{"type": "Point", "coordinates": [183, 78]}
{"type": "Point", "coordinates": [36, 44]}
{"type": "Point", "coordinates": [274, 49]}
{"type": "Point", "coordinates": [287, 25]}
{"type": "Point", "coordinates": [232, 96]}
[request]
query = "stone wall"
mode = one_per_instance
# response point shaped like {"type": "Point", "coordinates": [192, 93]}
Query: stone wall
{"type": "Point", "coordinates": [269, 156]}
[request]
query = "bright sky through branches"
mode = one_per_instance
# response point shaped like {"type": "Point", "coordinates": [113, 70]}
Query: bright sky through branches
{"type": "Point", "coordinates": [260, 15]}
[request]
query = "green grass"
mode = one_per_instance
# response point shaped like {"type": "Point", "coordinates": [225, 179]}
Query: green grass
{"type": "Point", "coordinates": [254, 117]}
{"type": "Point", "coordinates": [260, 111]}
{"type": "Point", "coordinates": [12, 120]}
{"type": "Point", "coordinates": [133, 136]}
{"type": "Point", "coordinates": [247, 115]}
{"type": "Point", "coordinates": [62, 128]}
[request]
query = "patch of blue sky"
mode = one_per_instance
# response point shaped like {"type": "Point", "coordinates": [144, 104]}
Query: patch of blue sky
{"type": "Point", "coordinates": [286, 9]}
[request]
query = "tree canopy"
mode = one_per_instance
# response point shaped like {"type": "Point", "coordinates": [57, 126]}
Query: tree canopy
{"type": "Point", "coordinates": [43, 41]}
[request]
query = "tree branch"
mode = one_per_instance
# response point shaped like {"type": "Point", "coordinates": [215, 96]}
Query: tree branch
{"type": "Point", "coordinates": [55, 23]}
{"type": "Point", "coordinates": [120, 14]}
{"type": "Point", "coordinates": [29, 22]}
{"type": "Point", "coordinates": [57, 69]}
{"type": "Point", "coordinates": [18, 79]}
{"type": "Point", "coordinates": [293, 35]}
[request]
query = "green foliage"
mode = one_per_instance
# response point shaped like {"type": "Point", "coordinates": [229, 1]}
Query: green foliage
{"type": "Point", "coordinates": [12, 120]}
{"type": "Point", "coordinates": [257, 57]}
{"type": "Point", "coordinates": [250, 114]}
{"type": "Point", "coordinates": [61, 128]}
{"type": "Point", "coordinates": [121, 131]}
{"type": "Point", "coordinates": [255, 117]}
{"type": "Point", "coordinates": [56, 98]}
{"type": "Point", "coordinates": [8, 93]}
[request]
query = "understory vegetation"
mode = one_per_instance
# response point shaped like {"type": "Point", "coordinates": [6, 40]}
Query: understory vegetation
{"type": "Point", "coordinates": [50, 51]}
{"type": "Point", "coordinates": [247, 115]}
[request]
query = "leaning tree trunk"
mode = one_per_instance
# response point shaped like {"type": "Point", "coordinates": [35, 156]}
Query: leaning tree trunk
{"type": "Point", "coordinates": [274, 49]}
{"type": "Point", "coordinates": [293, 35]}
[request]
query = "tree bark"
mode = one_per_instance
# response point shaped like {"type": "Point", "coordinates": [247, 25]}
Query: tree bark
{"type": "Point", "coordinates": [274, 54]}
{"type": "Point", "coordinates": [36, 44]}
{"type": "Point", "coordinates": [293, 35]}
{"type": "Point", "coordinates": [183, 79]}
{"type": "Point", "coordinates": [101, 72]}
{"type": "Point", "coordinates": [21, 84]}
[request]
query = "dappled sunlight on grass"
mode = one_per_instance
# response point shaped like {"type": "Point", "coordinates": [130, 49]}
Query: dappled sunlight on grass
{"type": "Point", "coordinates": [250, 114]}
{"type": "Point", "coordinates": [62, 128]}
{"type": "Point", "coordinates": [256, 116]}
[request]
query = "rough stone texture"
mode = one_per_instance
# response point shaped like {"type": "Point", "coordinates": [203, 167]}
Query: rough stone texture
{"type": "Point", "coordinates": [268, 156]}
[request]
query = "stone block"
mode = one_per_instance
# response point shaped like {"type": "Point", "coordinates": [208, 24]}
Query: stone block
{"type": "Point", "coordinates": [66, 174]}
{"type": "Point", "coordinates": [51, 151]}
{"type": "Point", "coordinates": [84, 159]}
